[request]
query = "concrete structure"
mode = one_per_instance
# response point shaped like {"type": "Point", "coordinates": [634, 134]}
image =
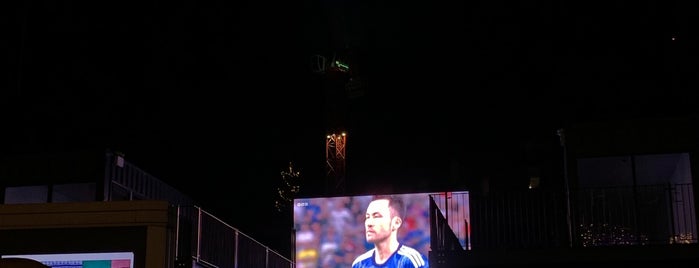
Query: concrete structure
{"type": "Point", "coordinates": [144, 227]}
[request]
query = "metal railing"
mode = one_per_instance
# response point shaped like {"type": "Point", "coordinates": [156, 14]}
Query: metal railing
{"type": "Point", "coordinates": [200, 237]}
{"type": "Point", "coordinates": [454, 210]}
{"type": "Point", "coordinates": [126, 181]}
{"type": "Point", "coordinates": [518, 219]}
{"type": "Point", "coordinates": [210, 242]}
{"type": "Point", "coordinates": [640, 215]}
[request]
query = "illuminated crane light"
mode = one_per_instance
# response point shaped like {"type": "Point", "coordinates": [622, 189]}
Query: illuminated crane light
{"type": "Point", "coordinates": [340, 66]}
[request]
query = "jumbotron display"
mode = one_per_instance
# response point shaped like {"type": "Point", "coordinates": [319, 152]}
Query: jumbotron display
{"type": "Point", "coordinates": [342, 231]}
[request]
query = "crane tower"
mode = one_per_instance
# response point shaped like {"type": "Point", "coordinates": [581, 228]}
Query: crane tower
{"type": "Point", "coordinates": [341, 84]}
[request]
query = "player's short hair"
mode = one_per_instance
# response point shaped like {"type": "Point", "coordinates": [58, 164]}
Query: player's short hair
{"type": "Point", "coordinates": [395, 203]}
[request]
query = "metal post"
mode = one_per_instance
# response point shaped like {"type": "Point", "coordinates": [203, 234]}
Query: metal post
{"type": "Point", "coordinates": [199, 233]}
{"type": "Point", "coordinates": [637, 209]}
{"type": "Point", "coordinates": [561, 135]}
{"type": "Point", "coordinates": [177, 232]}
{"type": "Point", "coordinates": [237, 241]}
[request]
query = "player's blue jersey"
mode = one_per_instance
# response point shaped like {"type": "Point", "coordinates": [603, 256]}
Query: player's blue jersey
{"type": "Point", "coordinates": [403, 257]}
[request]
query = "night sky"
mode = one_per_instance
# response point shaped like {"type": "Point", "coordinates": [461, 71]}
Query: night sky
{"type": "Point", "coordinates": [217, 97]}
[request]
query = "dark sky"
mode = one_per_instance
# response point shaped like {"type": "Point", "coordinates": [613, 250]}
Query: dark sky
{"type": "Point", "coordinates": [217, 97]}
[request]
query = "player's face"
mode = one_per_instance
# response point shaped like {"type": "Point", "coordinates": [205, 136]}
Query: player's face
{"type": "Point", "coordinates": [378, 221]}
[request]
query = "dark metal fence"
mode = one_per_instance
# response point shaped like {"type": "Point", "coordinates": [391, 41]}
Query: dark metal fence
{"type": "Point", "coordinates": [518, 219]}
{"type": "Point", "coordinates": [210, 242]}
{"type": "Point", "coordinates": [202, 240]}
{"type": "Point", "coordinates": [451, 210]}
{"type": "Point", "coordinates": [640, 215]}
{"type": "Point", "coordinates": [126, 181]}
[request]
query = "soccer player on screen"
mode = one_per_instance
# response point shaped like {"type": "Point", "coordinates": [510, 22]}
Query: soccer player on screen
{"type": "Point", "coordinates": [384, 216]}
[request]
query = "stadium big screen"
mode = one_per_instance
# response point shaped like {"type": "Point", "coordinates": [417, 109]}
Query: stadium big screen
{"type": "Point", "coordinates": [330, 230]}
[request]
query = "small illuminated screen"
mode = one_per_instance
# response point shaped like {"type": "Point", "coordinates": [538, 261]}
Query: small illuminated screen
{"type": "Point", "coordinates": [82, 260]}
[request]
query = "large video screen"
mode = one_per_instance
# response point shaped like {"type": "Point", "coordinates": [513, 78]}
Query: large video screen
{"type": "Point", "coordinates": [331, 232]}
{"type": "Point", "coordinates": [82, 260]}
